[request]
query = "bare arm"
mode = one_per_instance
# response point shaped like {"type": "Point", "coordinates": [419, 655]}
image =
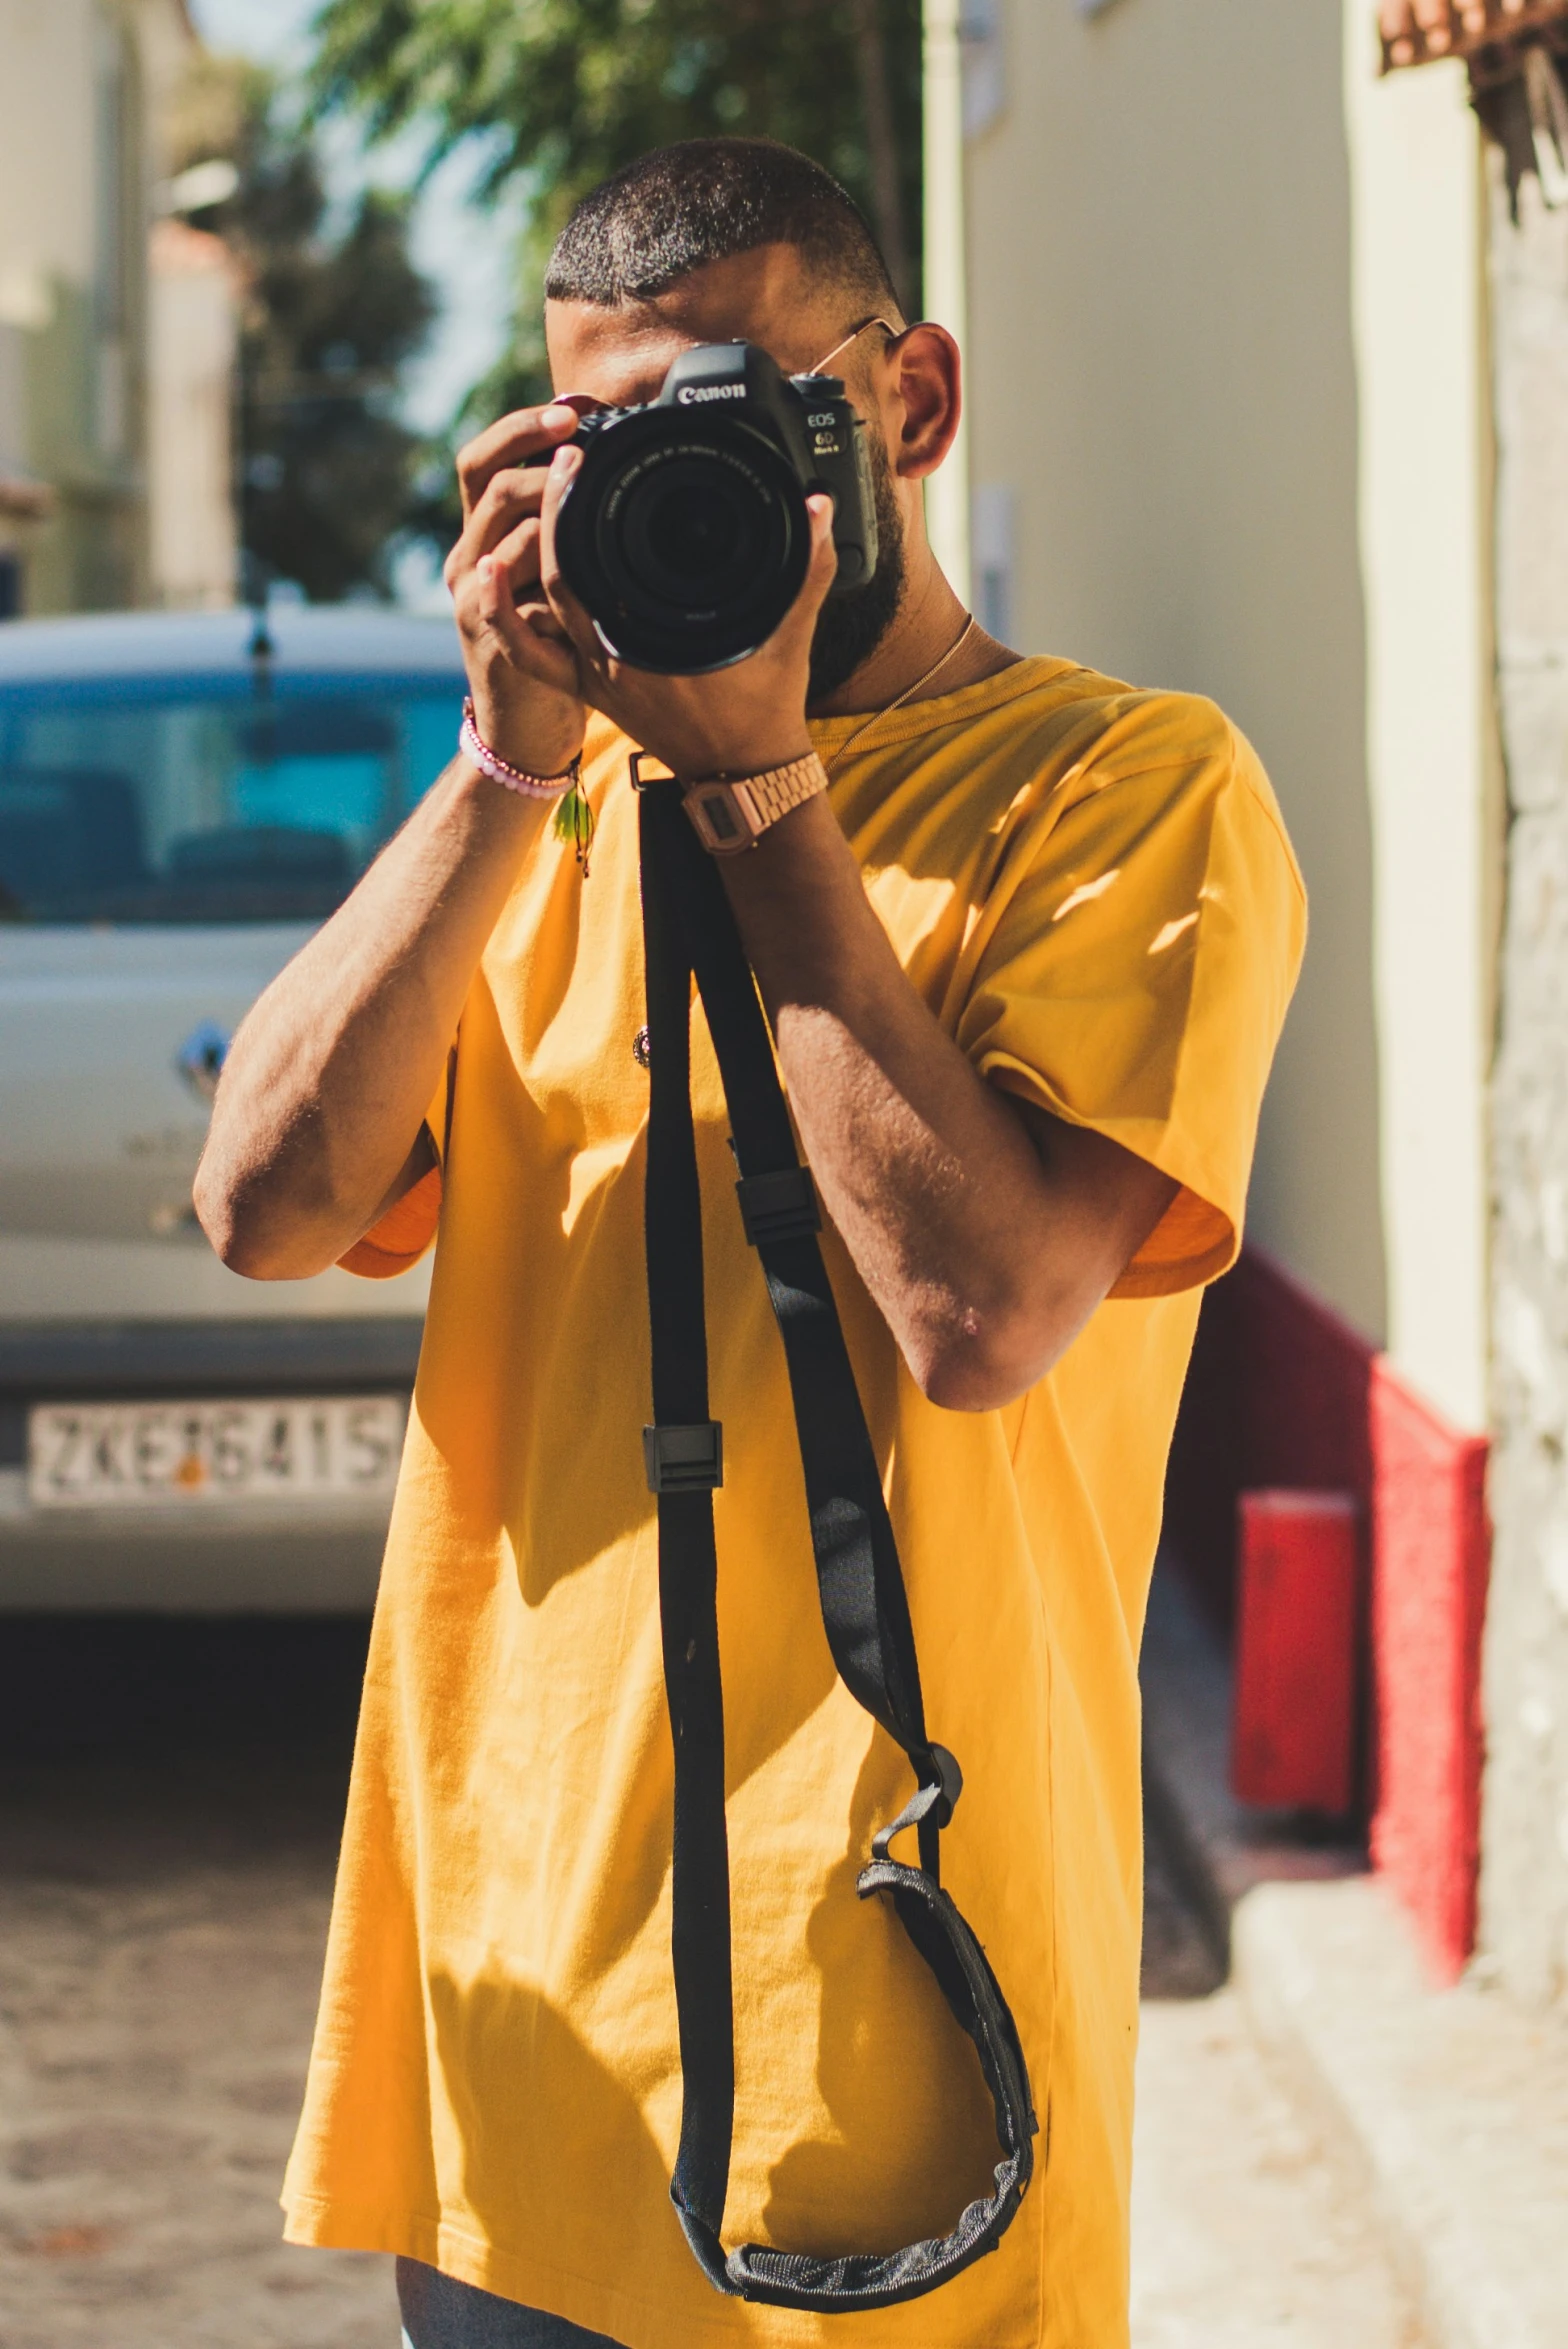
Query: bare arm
{"type": "Point", "coordinates": [317, 1125]}
{"type": "Point", "coordinates": [986, 1230]}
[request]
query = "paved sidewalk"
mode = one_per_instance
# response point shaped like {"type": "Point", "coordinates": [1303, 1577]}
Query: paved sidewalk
{"type": "Point", "coordinates": [1445, 2113]}
{"type": "Point", "coordinates": [1246, 2234]}
{"type": "Point", "coordinates": [1450, 2108]}
{"type": "Point", "coordinates": [159, 1954]}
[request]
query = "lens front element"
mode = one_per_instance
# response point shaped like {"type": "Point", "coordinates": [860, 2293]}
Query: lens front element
{"type": "Point", "coordinates": [691, 533]}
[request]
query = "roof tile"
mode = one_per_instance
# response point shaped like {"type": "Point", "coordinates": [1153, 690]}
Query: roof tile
{"type": "Point", "coordinates": [1415, 32]}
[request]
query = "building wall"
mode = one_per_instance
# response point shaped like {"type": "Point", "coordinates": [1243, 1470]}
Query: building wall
{"type": "Point", "coordinates": [1230, 431]}
{"type": "Point", "coordinates": [1418, 240]}
{"type": "Point", "coordinates": [1524, 1885]}
{"type": "Point", "coordinates": [192, 348]}
{"type": "Point", "coordinates": [1165, 428]}
{"type": "Point", "coordinates": [82, 96]}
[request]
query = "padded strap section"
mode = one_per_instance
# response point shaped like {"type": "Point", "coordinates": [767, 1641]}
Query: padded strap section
{"type": "Point", "coordinates": [877, 2279]}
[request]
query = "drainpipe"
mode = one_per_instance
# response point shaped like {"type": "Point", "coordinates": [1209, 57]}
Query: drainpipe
{"type": "Point", "coordinates": [947, 492]}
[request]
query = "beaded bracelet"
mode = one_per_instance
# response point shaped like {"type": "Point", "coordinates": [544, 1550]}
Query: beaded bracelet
{"type": "Point", "coordinates": [573, 818]}
{"type": "Point", "coordinates": [490, 762]}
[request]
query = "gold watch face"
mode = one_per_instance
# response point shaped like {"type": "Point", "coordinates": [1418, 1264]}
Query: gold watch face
{"type": "Point", "coordinates": [714, 810]}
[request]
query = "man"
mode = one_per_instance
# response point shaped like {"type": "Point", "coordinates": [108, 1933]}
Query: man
{"type": "Point", "coordinates": [1026, 961]}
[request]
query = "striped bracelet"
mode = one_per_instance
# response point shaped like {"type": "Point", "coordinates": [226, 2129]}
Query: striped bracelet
{"type": "Point", "coordinates": [490, 762]}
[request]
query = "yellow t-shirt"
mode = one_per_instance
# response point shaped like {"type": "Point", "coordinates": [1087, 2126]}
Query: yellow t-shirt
{"type": "Point", "coordinates": [1092, 891]}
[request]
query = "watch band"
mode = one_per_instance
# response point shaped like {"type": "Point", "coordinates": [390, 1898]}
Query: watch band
{"type": "Point", "coordinates": [729, 816]}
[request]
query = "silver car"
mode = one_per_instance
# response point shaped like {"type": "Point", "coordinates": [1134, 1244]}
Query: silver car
{"type": "Point", "coordinates": [182, 798]}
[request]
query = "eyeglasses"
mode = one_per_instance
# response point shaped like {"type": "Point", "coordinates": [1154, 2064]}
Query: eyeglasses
{"type": "Point", "coordinates": [854, 336]}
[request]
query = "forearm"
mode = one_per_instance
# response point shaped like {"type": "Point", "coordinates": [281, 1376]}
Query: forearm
{"type": "Point", "coordinates": [328, 1078]}
{"type": "Point", "coordinates": [984, 1249]}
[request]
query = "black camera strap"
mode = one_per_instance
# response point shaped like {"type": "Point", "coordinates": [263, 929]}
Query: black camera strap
{"type": "Point", "coordinates": [689, 930]}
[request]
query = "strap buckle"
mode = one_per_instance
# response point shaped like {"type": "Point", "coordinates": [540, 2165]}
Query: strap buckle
{"type": "Point", "coordinates": [684, 1459]}
{"type": "Point", "coordinates": [642, 782]}
{"type": "Point", "coordinates": [779, 1206]}
{"type": "Point", "coordinates": [933, 1802]}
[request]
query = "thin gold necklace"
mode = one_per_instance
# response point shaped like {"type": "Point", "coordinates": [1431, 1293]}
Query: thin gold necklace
{"type": "Point", "coordinates": [957, 645]}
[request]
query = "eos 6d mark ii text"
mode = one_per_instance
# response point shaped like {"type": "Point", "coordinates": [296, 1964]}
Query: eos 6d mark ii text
{"type": "Point", "coordinates": [685, 533]}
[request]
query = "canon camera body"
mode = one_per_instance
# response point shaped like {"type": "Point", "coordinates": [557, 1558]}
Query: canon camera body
{"type": "Point", "coordinates": [685, 532]}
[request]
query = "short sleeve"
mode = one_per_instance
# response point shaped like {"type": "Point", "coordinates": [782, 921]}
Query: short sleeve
{"type": "Point", "coordinates": [398, 1239]}
{"type": "Point", "coordinates": [1135, 975]}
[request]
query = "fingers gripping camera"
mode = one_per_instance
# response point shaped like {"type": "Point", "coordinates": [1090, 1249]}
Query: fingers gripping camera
{"type": "Point", "coordinates": [685, 533]}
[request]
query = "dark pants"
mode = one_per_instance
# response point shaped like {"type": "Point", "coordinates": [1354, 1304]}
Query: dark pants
{"type": "Point", "coordinates": [439, 2313]}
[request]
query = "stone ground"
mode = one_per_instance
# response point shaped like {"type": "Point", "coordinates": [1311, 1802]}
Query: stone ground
{"type": "Point", "coordinates": [1245, 2236]}
{"type": "Point", "coordinates": [164, 1880]}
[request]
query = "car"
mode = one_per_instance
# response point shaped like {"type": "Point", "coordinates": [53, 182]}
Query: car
{"type": "Point", "coordinates": [183, 798]}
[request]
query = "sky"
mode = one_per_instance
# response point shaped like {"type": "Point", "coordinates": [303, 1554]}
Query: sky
{"type": "Point", "coordinates": [465, 252]}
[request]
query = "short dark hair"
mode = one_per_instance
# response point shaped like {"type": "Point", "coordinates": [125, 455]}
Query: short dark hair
{"type": "Point", "coordinates": [677, 208]}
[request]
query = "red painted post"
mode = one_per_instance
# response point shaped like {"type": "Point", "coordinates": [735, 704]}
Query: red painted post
{"type": "Point", "coordinates": [1293, 1738]}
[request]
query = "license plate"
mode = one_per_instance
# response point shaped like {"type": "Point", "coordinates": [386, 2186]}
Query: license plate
{"type": "Point", "coordinates": [131, 1455]}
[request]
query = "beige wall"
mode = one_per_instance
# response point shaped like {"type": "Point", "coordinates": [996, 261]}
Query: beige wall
{"type": "Point", "coordinates": [1162, 373]}
{"type": "Point", "coordinates": [193, 335]}
{"type": "Point", "coordinates": [944, 267]}
{"type": "Point", "coordinates": [1426, 525]}
{"type": "Point", "coordinates": [46, 179]}
{"type": "Point", "coordinates": [84, 371]}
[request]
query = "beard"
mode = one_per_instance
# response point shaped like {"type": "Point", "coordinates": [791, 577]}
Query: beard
{"type": "Point", "coordinates": [851, 626]}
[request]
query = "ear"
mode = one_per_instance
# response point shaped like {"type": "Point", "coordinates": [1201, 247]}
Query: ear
{"type": "Point", "coordinates": [927, 393]}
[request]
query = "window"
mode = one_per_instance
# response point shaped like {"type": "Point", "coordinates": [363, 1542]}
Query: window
{"type": "Point", "coordinates": [153, 804]}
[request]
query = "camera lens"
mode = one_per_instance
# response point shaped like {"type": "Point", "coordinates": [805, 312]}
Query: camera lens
{"type": "Point", "coordinates": [686, 537]}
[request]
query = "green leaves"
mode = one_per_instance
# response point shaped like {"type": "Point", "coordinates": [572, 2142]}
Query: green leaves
{"type": "Point", "coordinates": [563, 92]}
{"type": "Point", "coordinates": [331, 314]}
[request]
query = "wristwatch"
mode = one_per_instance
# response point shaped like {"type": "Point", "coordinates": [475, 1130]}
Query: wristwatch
{"type": "Point", "coordinates": [730, 815]}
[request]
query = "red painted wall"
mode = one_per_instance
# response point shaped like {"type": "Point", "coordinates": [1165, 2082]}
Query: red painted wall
{"type": "Point", "coordinates": [1431, 1547]}
{"type": "Point", "coordinates": [1284, 1393]}
{"type": "Point", "coordinates": [1278, 1394]}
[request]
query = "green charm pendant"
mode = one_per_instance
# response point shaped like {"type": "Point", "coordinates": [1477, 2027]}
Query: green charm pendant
{"type": "Point", "coordinates": [573, 821]}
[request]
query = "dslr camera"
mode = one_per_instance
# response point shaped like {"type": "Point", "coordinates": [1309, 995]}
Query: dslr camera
{"type": "Point", "coordinates": [685, 533]}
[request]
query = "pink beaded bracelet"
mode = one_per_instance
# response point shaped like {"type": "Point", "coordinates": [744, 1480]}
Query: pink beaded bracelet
{"type": "Point", "coordinates": [500, 770]}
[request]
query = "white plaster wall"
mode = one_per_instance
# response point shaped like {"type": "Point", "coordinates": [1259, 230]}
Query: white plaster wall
{"type": "Point", "coordinates": [1162, 374]}
{"type": "Point", "coordinates": [1524, 1834]}
{"type": "Point", "coordinates": [1420, 327]}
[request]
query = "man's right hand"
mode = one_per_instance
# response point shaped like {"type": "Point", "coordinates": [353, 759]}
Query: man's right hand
{"type": "Point", "coordinates": [522, 668]}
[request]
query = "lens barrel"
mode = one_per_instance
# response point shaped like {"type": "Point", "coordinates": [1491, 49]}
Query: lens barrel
{"type": "Point", "coordinates": [685, 535]}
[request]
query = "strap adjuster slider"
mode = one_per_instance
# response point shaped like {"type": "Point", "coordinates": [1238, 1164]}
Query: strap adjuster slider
{"type": "Point", "coordinates": [687, 1459]}
{"type": "Point", "coordinates": [781, 1206]}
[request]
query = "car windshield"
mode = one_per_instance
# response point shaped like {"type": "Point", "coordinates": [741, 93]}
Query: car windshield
{"type": "Point", "coordinates": [208, 803]}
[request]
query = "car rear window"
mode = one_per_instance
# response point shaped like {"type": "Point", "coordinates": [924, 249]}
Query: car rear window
{"type": "Point", "coordinates": [204, 804]}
